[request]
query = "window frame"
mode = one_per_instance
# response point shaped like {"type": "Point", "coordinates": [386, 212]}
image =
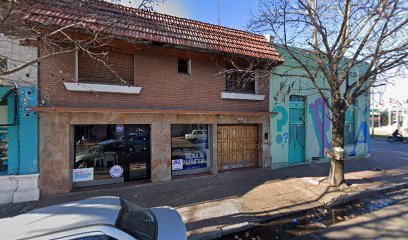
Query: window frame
{"type": "Point", "coordinates": [188, 63]}
{"type": "Point", "coordinates": [100, 87]}
{"type": "Point", "coordinates": [239, 89]}
{"type": "Point", "coordinates": [100, 83]}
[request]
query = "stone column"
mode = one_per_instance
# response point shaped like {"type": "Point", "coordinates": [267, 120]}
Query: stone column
{"type": "Point", "coordinates": [160, 149]}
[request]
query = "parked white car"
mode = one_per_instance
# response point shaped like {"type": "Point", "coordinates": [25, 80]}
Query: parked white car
{"type": "Point", "coordinates": [196, 136]}
{"type": "Point", "coordinates": [104, 218]}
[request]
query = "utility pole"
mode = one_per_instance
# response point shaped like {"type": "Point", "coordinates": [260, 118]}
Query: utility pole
{"type": "Point", "coordinates": [372, 108]}
{"type": "Point", "coordinates": [219, 15]}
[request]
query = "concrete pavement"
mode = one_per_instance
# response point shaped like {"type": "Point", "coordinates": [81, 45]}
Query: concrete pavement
{"type": "Point", "coordinates": [215, 205]}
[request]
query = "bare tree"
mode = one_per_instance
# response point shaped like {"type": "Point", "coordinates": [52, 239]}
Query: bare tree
{"type": "Point", "coordinates": [57, 40]}
{"type": "Point", "coordinates": [333, 39]}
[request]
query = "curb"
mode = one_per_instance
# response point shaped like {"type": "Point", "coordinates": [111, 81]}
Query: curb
{"type": "Point", "coordinates": [226, 230]}
{"type": "Point", "coordinates": [367, 193]}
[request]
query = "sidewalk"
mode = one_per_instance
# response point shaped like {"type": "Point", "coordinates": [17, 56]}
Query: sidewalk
{"type": "Point", "coordinates": [211, 204]}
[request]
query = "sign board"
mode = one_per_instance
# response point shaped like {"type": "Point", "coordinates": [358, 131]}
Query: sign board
{"type": "Point", "coordinates": [83, 174]}
{"type": "Point", "coordinates": [116, 171]}
{"type": "Point", "coordinates": [177, 164]}
{"type": "Point", "coordinates": [120, 128]}
{"type": "Point", "coordinates": [193, 160]}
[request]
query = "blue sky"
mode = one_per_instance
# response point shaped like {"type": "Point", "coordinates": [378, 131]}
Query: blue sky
{"type": "Point", "coordinates": [234, 13]}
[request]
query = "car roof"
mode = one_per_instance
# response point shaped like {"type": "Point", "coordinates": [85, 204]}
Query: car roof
{"type": "Point", "coordinates": [62, 217]}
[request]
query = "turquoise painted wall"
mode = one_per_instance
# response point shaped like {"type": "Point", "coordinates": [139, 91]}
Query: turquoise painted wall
{"type": "Point", "coordinates": [23, 136]}
{"type": "Point", "coordinates": [317, 123]}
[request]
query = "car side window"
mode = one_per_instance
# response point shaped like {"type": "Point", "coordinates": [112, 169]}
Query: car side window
{"type": "Point", "coordinates": [99, 237]}
{"type": "Point", "coordinates": [95, 237]}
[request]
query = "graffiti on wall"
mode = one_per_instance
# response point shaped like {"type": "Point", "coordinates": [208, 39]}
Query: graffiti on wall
{"type": "Point", "coordinates": [363, 134]}
{"type": "Point", "coordinates": [281, 137]}
{"type": "Point", "coordinates": [320, 115]}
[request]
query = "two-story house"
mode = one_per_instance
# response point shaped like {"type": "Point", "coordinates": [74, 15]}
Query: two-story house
{"type": "Point", "coordinates": [155, 106]}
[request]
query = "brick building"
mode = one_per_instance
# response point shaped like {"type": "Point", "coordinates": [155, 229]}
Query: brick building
{"type": "Point", "coordinates": [161, 109]}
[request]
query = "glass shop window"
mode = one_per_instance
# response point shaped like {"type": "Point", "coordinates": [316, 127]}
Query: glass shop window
{"type": "Point", "coordinates": [3, 137]}
{"type": "Point", "coordinates": [106, 154]}
{"type": "Point", "coordinates": [190, 151]}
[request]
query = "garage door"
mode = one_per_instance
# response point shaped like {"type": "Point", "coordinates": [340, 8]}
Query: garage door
{"type": "Point", "coordinates": [237, 146]}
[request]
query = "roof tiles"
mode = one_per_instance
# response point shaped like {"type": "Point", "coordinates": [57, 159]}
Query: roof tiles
{"type": "Point", "coordinates": [97, 15]}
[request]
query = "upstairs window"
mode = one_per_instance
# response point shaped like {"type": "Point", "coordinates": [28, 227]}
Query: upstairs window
{"type": "Point", "coordinates": [107, 69]}
{"type": "Point", "coordinates": [240, 82]}
{"type": "Point", "coordinates": [184, 66]}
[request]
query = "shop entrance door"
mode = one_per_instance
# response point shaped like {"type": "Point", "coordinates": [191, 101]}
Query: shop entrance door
{"type": "Point", "coordinates": [296, 130]}
{"type": "Point", "coordinates": [137, 152]}
{"type": "Point", "coordinates": [237, 146]}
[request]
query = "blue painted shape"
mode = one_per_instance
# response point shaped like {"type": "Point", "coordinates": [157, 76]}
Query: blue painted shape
{"type": "Point", "coordinates": [284, 117]}
{"type": "Point", "coordinates": [23, 136]}
{"type": "Point", "coordinates": [28, 131]}
{"type": "Point", "coordinates": [363, 129]}
{"type": "Point", "coordinates": [320, 115]}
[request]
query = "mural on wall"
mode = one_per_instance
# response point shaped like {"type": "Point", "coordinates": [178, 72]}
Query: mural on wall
{"type": "Point", "coordinates": [320, 115]}
{"type": "Point", "coordinates": [363, 130]}
{"type": "Point", "coordinates": [281, 138]}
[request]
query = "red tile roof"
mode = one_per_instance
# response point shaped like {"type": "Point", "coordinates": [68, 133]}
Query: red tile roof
{"type": "Point", "coordinates": [133, 23]}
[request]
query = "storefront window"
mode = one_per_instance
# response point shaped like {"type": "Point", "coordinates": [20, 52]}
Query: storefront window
{"type": "Point", "coordinates": [190, 152]}
{"type": "Point", "coordinates": [107, 154]}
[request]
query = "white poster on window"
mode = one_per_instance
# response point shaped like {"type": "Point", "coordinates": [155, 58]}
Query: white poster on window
{"type": "Point", "coordinates": [177, 164]}
{"type": "Point", "coordinates": [83, 174]}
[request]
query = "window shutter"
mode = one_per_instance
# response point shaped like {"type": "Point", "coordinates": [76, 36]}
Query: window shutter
{"type": "Point", "coordinates": [93, 71]}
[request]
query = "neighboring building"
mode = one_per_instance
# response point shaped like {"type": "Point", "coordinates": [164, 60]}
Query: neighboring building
{"type": "Point", "coordinates": [18, 127]}
{"type": "Point", "coordinates": [171, 113]}
{"type": "Point", "coordinates": [389, 114]}
{"type": "Point", "coordinates": [301, 131]}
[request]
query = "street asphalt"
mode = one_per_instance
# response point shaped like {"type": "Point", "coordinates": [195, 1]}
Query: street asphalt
{"type": "Point", "coordinates": [388, 223]}
{"type": "Point", "coordinates": [215, 205]}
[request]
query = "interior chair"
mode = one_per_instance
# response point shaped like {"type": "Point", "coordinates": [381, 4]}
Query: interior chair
{"type": "Point", "coordinates": [110, 157]}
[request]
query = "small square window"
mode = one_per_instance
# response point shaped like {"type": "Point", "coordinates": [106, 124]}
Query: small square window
{"type": "Point", "coordinates": [184, 66]}
{"type": "Point", "coordinates": [3, 64]}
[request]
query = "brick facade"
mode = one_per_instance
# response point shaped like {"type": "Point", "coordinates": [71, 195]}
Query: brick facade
{"type": "Point", "coordinates": [162, 86]}
{"type": "Point", "coordinates": [156, 71]}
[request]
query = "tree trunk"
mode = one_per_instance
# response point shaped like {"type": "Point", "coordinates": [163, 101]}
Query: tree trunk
{"type": "Point", "coordinates": [336, 175]}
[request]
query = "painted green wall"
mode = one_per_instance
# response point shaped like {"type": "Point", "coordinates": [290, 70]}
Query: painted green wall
{"type": "Point", "coordinates": [317, 124]}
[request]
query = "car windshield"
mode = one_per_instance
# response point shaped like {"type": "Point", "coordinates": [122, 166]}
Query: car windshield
{"type": "Point", "coordinates": [137, 221]}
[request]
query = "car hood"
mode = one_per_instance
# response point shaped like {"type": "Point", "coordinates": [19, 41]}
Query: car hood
{"type": "Point", "coordinates": [170, 225]}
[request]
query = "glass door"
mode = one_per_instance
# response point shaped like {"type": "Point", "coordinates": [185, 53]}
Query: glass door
{"type": "Point", "coordinates": [137, 150]}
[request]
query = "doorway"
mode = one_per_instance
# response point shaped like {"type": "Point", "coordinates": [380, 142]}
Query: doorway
{"type": "Point", "coordinates": [296, 129]}
{"type": "Point", "coordinates": [237, 146]}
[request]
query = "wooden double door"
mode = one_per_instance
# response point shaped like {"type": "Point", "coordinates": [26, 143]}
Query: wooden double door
{"type": "Point", "coordinates": [237, 146]}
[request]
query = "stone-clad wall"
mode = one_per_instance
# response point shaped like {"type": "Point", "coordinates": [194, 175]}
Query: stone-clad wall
{"type": "Point", "coordinates": [56, 142]}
